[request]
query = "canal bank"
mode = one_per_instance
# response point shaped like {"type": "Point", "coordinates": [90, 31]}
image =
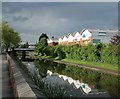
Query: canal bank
{"type": "Point", "coordinates": [90, 68]}
{"type": "Point", "coordinates": [98, 69]}
{"type": "Point", "coordinates": [98, 79]}
{"type": "Point", "coordinates": [24, 87]}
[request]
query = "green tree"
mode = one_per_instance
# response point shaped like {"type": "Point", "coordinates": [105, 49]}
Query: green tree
{"type": "Point", "coordinates": [43, 35]}
{"type": "Point", "coordinates": [10, 38]}
{"type": "Point", "coordinates": [115, 40]}
{"type": "Point", "coordinates": [59, 52]}
{"type": "Point", "coordinates": [41, 45]}
{"type": "Point", "coordinates": [27, 44]}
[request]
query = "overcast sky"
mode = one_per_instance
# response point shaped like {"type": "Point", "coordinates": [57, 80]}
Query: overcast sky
{"type": "Point", "coordinates": [60, 0]}
{"type": "Point", "coordinates": [31, 19]}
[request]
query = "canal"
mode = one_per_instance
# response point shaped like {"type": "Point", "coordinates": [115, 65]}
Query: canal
{"type": "Point", "coordinates": [102, 85]}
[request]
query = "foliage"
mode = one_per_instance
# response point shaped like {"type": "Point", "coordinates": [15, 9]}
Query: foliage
{"type": "Point", "coordinates": [10, 38]}
{"type": "Point", "coordinates": [109, 54]}
{"type": "Point", "coordinates": [115, 40]}
{"type": "Point", "coordinates": [25, 45]}
{"type": "Point", "coordinates": [47, 51]}
{"type": "Point", "coordinates": [106, 53]}
{"type": "Point", "coordinates": [94, 79]}
{"type": "Point", "coordinates": [58, 51]}
{"type": "Point", "coordinates": [41, 45]}
{"type": "Point", "coordinates": [49, 90]}
{"type": "Point", "coordinates": [43, 35]}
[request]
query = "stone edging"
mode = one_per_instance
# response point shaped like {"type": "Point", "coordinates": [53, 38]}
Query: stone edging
{"type": "Point", "coordinates": [20, 87]}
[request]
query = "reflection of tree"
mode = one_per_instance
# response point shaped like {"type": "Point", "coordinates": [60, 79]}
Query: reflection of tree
{"type": "Point", "coordinates": [60, 67]}
{"type": "Point", "coordinates": [41, 67]}
{"type": "Point", "coordinates": [97, 80]}
{"type": "Point", "coordinates": [44, 65]}
{"type": "Point", "coordinates": [52, 65]}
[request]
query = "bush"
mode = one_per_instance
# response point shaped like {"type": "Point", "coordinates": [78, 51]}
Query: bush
{"type": "Point", "coordinates": [94, 53]}
{"type": "Point", "coordinates": [58, 51]}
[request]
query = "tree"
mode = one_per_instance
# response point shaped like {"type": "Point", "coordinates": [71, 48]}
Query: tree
{"type": "Point", "coordinates": [27, 44]}
{"type": "Point", "coordinates": [43, 35]}
{"type": "Point", "coordinates": [115, 40]}
{"type": "Point", "coordinates": [41, 45]}
{"type": "Point", "coordinates": [10, 38]}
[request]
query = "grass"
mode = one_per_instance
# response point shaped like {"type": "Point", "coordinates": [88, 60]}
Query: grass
{"type": "Point", "coordinates": [94, 64]}
{"type": "Point", "coordinates": [105, 66]}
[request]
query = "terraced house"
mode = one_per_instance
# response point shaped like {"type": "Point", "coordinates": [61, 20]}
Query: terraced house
{"type": "Point", "coordinates": [85, 37]}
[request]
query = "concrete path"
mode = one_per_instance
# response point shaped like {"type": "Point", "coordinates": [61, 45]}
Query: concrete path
{"type": "Point", "coordinates": [6, 84]}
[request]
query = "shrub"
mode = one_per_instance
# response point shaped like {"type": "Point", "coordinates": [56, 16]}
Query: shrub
{"type": "Point", "coordinates": [94, 53]}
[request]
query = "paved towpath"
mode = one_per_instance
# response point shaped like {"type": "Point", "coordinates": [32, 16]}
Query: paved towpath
{"type": "Point", "coordinates": [6, 84]}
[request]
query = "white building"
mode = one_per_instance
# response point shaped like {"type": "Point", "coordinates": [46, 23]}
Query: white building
{"type": "Point", "coordinates": [103, 36]}
{"type": "Point", "coordinates": [70, 39]}
{"type": "Point", "coordinates": [60, 41]}
{"type": "Point", "coordinates": [52, 41]}
{"type": "Point", "coordinates": [86, 36]}
{"type": "Point", "coordinates": [65, 40]}
{"type": "Point", "coordinates": [77, 36]}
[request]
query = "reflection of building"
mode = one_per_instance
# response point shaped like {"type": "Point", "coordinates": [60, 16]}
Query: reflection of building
{"type": "Point", "coordinates": [86, 36]}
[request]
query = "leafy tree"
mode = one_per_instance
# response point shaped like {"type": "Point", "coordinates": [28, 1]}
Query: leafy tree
{"type": "Point", "coordinates": [115, 40]}
{"type": "Point", "coordinates": [10, 38]}
{"type": "Point", "coordinates": [26, 45]}
{"type": "Point", "coordinates": [43, 35]}
{"type": "Point", "coordinates": [47, 51]}
{"type": "Point", "coordinates": [41, 45]}
{"type": "Point", "coordinates": [59, 52]}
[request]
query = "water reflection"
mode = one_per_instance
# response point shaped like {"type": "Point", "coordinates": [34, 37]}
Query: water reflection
{"type": "Point", "coordinates": [97, 80]}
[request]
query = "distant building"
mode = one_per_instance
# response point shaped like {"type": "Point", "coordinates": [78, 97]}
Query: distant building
{"type": "Point", "coordinates": [52, 41]}
{"type": "Point", "coordinates": [70, 39]}
{"type": "Point", "coordinates": [65, 40]}
{"type": "Point", "coordinates": [77, 38]}
{"type": "Point", "coordinates": [60, 41]}
{"type": "Point", "coordinates": [85, 37]}
{"type": "Point", "coordinates": [103, 36]}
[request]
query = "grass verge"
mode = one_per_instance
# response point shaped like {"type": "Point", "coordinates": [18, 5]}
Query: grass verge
{"type": "Point", "coordinates": [94, 64]}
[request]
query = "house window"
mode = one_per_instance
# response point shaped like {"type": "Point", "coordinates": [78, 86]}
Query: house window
{"type": "Point", "coordinates": [83, 35]}
{"type": "Point", "coordinates": [96, 40]}
{"type": "Point", "coordinates": [102, 33]}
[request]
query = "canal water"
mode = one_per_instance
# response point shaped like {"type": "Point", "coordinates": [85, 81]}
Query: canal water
{"type": "Point", "coordinates": [106, 85]}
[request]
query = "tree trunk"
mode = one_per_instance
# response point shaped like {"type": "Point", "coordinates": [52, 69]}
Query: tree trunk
{"type": "Point", "coordinates": [7, 49]}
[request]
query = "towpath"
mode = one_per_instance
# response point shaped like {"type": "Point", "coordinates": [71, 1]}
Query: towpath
{"type": "Point", "coordinates": [6, 85]}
